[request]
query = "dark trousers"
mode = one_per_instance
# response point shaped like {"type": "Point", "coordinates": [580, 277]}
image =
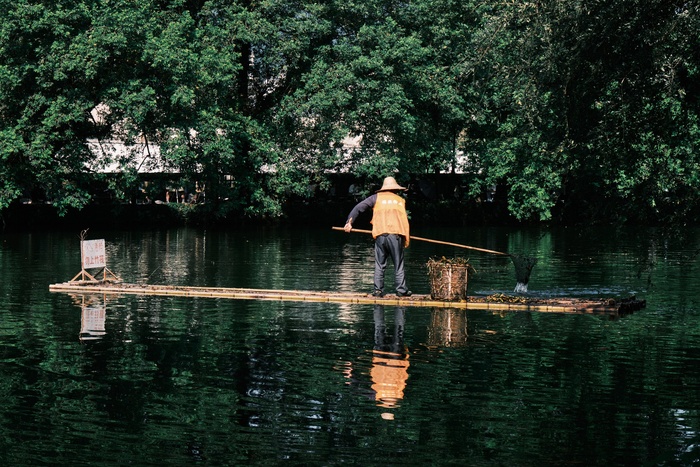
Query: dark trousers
{"type": "Point", "coordinates": [389, 246]}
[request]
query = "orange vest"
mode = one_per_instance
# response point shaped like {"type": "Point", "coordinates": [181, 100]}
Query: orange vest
{"type": "Point", "coordinates": [390, 216]}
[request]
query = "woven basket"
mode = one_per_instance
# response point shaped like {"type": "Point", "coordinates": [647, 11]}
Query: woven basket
{"type": "Point", "coordinates": [448, 281]}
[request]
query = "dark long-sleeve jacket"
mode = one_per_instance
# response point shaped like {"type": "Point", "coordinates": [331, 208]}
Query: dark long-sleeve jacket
{"type": "Point", "coordinates": [362, 206]}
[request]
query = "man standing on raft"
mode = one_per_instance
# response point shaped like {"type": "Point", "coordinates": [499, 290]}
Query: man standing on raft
{"type": "Point", "coordinates": [390, 230]}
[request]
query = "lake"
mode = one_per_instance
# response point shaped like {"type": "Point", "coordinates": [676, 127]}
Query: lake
{"type": "Point", "coordinates": [148, 380]}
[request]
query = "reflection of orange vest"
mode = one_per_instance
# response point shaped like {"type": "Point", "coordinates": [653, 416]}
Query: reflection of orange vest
{"type": "Point", "coordinates": [389, 376]}
{"type": "Point", "coordinates": [390, 216]}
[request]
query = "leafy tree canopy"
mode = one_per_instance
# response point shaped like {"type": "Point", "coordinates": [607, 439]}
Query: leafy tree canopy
{"type": "Point", "coordinates": [574, 108]}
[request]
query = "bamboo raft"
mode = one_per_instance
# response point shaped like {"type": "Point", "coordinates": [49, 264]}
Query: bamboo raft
{"type": "Point", "coordinates": [498, 302]}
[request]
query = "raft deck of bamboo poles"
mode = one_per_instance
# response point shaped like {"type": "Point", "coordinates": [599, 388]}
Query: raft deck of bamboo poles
{"type": "Point", "coordinates": [499, 302]}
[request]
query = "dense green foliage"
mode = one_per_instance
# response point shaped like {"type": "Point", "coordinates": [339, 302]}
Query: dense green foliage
{"type": "Point", "coordinates": [574, 108]}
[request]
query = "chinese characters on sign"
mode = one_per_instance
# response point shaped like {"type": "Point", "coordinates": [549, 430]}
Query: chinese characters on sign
{"type": "Point", "coordinates": [93, 254]}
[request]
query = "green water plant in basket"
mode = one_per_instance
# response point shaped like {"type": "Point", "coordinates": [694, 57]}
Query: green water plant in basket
{"type": "Point", "coordinates": [449, 278]}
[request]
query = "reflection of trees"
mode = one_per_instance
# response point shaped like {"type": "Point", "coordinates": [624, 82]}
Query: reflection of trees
{"type": "Point", "coordinates": [540, 376]}
{"type": "Point", "coordinates": [253, 257]}
{"type": "Point", "coordinates": [253, 381]}
{"type": "Point", "coordinates": [261, 385]}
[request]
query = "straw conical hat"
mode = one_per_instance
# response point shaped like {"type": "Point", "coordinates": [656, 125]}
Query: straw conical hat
{"type": "Point", "coordinates": [391, 185]}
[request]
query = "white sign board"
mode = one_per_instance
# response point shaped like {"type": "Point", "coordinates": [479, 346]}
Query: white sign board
{"type": "Point", "coordinates": [93, 254]}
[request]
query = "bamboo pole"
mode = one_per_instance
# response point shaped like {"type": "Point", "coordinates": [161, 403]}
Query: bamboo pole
{"type": "Point", "coordinates": [437, 241]}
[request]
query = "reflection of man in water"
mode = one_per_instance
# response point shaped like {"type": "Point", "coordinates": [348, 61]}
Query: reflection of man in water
{"type": "Point", "coordinates": [389, 370]}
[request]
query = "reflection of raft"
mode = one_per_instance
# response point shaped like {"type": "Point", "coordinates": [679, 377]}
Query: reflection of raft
{"type": "Point", "coordinates": [496, 302]}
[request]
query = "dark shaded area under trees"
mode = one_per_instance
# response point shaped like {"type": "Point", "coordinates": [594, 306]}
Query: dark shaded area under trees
{"type": "Point", "coordinates": [577, 111]}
